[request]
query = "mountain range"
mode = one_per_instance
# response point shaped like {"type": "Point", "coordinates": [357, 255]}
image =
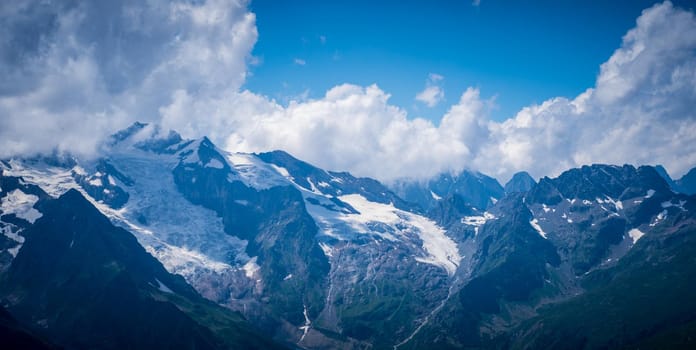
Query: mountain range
{"type": "Point", "coordinates": [164, 242]}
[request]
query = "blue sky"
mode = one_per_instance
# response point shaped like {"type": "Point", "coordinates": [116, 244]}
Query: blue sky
{"type": "Point", "coordinates": [575, 82]}
{"type": "Point", "coordinates": [521, 52]}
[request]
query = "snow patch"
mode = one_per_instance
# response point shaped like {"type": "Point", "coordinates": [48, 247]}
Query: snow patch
{"type": "Point", "coordinates": [254, 172]}
{"type": "Point", "coordinates": [477, 220]}
{"type": "Point", "coordinates": [442, 250]}
{"type": "Point", "coordinates": [53, 180]}
{"type": "Point", "coordinates": [535, 225]}
{"type": "Point", "coordinates": [617, 204]}
{"type": "Point", "coordinates": [669, 204]}
{"type": "Point", "coordinates": [661, 216]}
{"type": "Point", "coordinates": [384, 221]}
{"type": "Point", "coordinates": [192, 150]}
{"type": "Point", "coordinates": [282, 171]}
{"type": "Point", "coordinates": [312, 187]}
{"type": "Point", "coordinates": [214, 163]}
{"type": "Point", "coordinates": [251, 268]}
{"type": "Point", "coordinates": [635, 234]}
{"type": "Point", "coordinates": [162, 287]}
{"type": "Point", "coordinates": [307, 325]}
{"type": "Point", "coordinates": [21, 204]}
{"type": "Point", "coordinates": [7, 231]}
{"type": "Point", "coordinates": [328, 251]}
{"type": "Point", "coordinates": [336, 180]}
{"type": "Point", "coordinates": [79, 170]}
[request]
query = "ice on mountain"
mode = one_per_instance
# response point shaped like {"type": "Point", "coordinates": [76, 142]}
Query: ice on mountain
{"type": "Point", "coordinates": [384, 221]}
{"type": "Point", "coordinates": [635, 234]}
{"type": "Point", "coordinates": [326, 249]}
{"type": "Point", "coordinates": [617, 204]}
{"type": "Point", "coordinates": [162, 287]}
{"type": "Point", "coordinates": [254, 172]}
{"type": "Point", "coordinates": [79, 170]}
{"type": "Point", "coordinates": [282, 171]}
{"type": "Point", "coordinates": [661, 216]}
{"type": "Point", "coordinates": [669, 204]}
{"type": "Point", "coordinates": [537, 227]}
{"type": "Point", "coordinates": [186, 238]}
{"type": "Point", "coordinates": [21, 205]}
{"type": "Point", "coordinates": [214, 163]}
{"type": "Point", "coordinates": [477, 220]}
{"type": "Point", "coordinates": [251, 268]}
{"type": "Point", "coordinates": [312, 188]}
{"type": "Point", "coordinates": [53, 180]}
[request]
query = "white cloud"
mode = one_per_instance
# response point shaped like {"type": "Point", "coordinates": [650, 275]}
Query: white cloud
{"type": "Point", "coordinates": [77, 71]}
{"type": "Point", "coordinates": [433, 93]}
{"type": "Point", "coordinates": [183, 65]}
{"type": "Point", "coordinates": [353, 128]}
{"type": "Point", "coordinates": [299, 61]}
{"type": "Point", "coordinates": [434, 77]}
{"type": "Point", "coordinates": [476, 3]}
{"type": "Point", "coordinates": [640, 111]}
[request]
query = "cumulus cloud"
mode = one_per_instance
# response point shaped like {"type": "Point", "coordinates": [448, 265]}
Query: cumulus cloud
{"type": "Point", "coordinates": [183, 65]}
{"type": "Point", "coordinates": [433, 93]}
{"type": "Point", "coordinates": [78, 70]}
{"type": "Point", "coordinates": [640, 111]}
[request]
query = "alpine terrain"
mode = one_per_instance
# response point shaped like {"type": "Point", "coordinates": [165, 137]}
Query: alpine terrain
{"type": "Point", "coordinates": [166, 242]}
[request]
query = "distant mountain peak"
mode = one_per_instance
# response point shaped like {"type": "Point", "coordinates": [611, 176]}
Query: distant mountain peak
{"type": "Point", "coordinates": [687, 183]}
{"type": "Point", "coordinates": [128, 132]}
{"type": "Point", "coordinates": [478, 189]}
{"type": "Point", "coordinates": [520, 182]}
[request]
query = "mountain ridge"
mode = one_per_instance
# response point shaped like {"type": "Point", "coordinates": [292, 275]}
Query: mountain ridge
{"type": "Point", "coordinates": [321, 259]}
